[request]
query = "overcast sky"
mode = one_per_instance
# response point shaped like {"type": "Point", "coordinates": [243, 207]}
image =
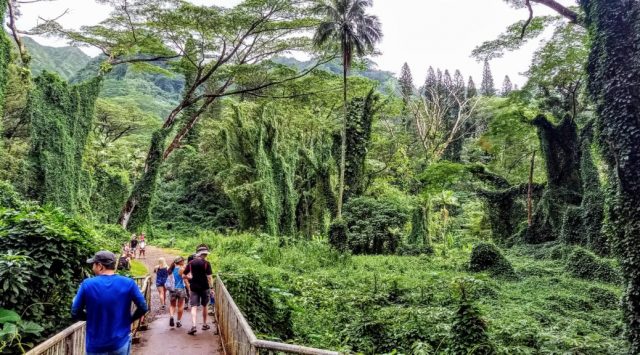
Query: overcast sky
{"type": "Point", "coordinates": [423, 33]}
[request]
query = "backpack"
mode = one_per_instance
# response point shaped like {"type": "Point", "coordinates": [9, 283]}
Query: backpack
{"type": "Point", "coordinates": [170, 284]}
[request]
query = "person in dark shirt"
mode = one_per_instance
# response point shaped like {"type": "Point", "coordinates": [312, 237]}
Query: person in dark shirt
{"type": "Point", "coordinates": [134, 245]}
{"type": "Point", "coordinates": [198, 274]}
{"type": "Point", "coordinates": [104, 302]}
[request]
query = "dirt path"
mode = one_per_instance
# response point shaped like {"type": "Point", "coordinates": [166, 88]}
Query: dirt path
{"type": "Point", "coordinates": [160, 338]}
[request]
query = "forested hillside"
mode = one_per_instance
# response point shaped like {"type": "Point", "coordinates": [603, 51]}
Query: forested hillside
{"type": "Point", "coordinates": [66, 61]}
{"type": "Point", "coordinates": [346, 207]}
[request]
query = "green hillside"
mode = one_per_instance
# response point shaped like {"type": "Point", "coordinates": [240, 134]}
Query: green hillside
{"type": "Point", "coordinates": [66, 61]}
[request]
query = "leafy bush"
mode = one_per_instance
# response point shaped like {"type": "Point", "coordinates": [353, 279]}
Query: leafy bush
{"type": "Point", "coordinates": [8, 196]}
{"type": "Point", "coordinates": [42, 262]}
{"type": "Point", "coordinates": [487, 257]}
{"type": "Point", "coordinates": [338, 234]}
{"type": "Point", "coordinates": [583, 264]}
{"type": "Point", "coordinates": [12, 330]}
{"type": "Point", "coordinates": [469, 330]}
{"type": "Point", "coordinates": [263, 310]}
{"type": "Point", "coordinates": [373, 227]}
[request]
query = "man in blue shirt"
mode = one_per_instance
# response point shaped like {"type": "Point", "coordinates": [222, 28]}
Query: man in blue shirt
{"type": "Point", "coordinates": [104, 302]}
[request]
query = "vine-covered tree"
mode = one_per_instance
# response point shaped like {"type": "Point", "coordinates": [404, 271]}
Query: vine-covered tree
{"type": "Point", "coordinates": [231, 59]}
{"type": "Point", "coordinates": [487, 87]}
{"type": "Point", "coordinates": [614, 75]}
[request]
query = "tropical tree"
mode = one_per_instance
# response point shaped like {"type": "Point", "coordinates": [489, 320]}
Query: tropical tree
{"type": "Point", "coordinates": [345, 22]}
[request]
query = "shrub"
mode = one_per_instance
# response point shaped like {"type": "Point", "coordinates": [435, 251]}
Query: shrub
{"type": "Point", "coordinates": [487, 257]}
{"type": "Point", "coordinates": [42, 262]}
{"type": "Point", "coordinates": [414, 250]}
{"type": "Point", "coordinates": [469, 330]}
{"type": "Point", "coordinates": [8, 196]}
{"type": "Point", "coordinates": [373, 227]}
{"type": "Point", "coordinates": [338, 235]}
{"type": "Point", "coordinates": [265, 312]}
{"type": "Point", "coordinates": [603, 297]}
{"type": "Point", "coordinates": [583, 264]}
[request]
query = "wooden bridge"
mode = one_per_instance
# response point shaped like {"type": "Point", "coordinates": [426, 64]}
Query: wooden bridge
{"type": "Point", "coordinates": [236, 336]}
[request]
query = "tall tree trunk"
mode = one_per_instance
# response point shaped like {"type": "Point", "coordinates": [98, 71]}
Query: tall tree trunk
{"type": "Point", "coordinates": [135, 213]}
{"type": "Point", "coordinates": [343, 139]}
{"type": "Point", "coordinates": [530, 192]}
{"type": "Point", "coordinates": [614, 75]}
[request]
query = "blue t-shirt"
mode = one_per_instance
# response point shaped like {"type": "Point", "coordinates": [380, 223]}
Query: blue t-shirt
{"type": "Point", "coordinates": [178, 278]}
{"type": "Point", "coordinates": [107, 300]}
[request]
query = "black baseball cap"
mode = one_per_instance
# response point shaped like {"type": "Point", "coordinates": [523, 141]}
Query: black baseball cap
{"type": "Point", "coordinates": [103, 257]}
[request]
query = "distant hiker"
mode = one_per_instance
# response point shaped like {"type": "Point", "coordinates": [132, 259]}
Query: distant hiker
{"type": "Point", "coordinates": [123, 262]}
{"type": "Point", "coordinates": [199, 281]}
{"type": "Point", "coordinates": [162, 273]}
{"type": "Point", "coordinates": [142, 245]}
{"type": "Point", "coordinates": [134, 244]}
{"type": "Point", "coordinates": [178, 294]}
{"type": "Point", "coordinates": [104, 302]}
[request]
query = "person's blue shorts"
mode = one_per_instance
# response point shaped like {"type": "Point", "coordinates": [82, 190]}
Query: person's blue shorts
{"type": "Point", "coordinates": [124, 350]}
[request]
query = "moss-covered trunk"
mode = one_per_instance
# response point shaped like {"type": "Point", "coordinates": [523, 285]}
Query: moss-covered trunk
{"type": "Point", "coordinates": [614, 85]}
{"type": "Point", "coordinates": [561, 151]}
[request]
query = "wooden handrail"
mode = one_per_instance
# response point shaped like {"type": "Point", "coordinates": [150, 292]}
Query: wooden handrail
{"type": "Point", "coordinates": [71, 341]}
{"type": "Point", "coordinates": [238, 337]}
{"type": "Point", "coordinates": [68, 341]}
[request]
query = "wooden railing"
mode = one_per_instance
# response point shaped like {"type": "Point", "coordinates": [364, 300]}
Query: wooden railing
{"type": "Point", "coordinates": [238, 337]}
{"type": "Point", "coordinates": [71, 341]}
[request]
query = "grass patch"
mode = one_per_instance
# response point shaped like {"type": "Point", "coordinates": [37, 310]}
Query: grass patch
{"type": "Point", "coordinates": [138, 269]}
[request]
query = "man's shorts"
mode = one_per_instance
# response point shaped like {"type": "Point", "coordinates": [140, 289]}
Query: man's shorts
{"type": "Point", "coordinates": [178, 294]}
{"type": "Point", "coordinates": [199, 298]}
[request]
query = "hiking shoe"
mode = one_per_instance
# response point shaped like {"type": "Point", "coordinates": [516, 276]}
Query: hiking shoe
{"type": "Point", "coordinates": [205, 327]}
{"type": "Point", "coordinates": [171, 324]}
{"type": "Point", "coordinates": [192, 331]}
{"type": "Point", "coordinates": [178, 324]}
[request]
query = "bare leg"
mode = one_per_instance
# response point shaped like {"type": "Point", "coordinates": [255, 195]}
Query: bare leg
{"type": "Point", "coordinates": [180, 309]}
{"type": "Point", "coordinates": [194, 315]}
{"type": "Point", "coordinates": [172, 308]}
{"type": "Point", "coordinates": [204, 314]}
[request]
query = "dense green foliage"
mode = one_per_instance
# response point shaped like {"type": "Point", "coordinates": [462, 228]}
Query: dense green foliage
{"type": "Point", "coordinates": [61, 118]}
{"type": "Point", "coordinates": [377, 304]}
{"type": "Point", "coordinates": [373, 226]}
{"type": "Point", "coordinates": [42, 261]}
{"type": "Point", "coordinates": [181, 130]}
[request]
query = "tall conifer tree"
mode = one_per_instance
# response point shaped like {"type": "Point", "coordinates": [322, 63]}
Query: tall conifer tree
{"type": "Point", "coordinates": [430, 83]}
{"type": "Point", "coordinates": [507, 86]}
{"type": "Point", "coordinates": [447, 82]}
{"type": "Point", "coordinates": [406, 83]}
{"type": "Point", "coordinates": [487, 87]}
{"type": "Point", "coordinates": [471, 88]}
{"type": "Point", "coordinates": [458, 82]}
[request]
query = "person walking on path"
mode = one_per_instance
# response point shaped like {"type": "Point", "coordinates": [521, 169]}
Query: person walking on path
{"type": "Point", "coordinates": [142, 244]}
{"type": "Point", "coordinates": [199, 280]}
{"type": "Point", "coordinates": [104, 302]}
{"type": "Point", "coordinates": [177, 296]}
{"type": "Point", "coordinates": [162, 273]}
{"type": "Point", "coordinates": [134, 244]}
